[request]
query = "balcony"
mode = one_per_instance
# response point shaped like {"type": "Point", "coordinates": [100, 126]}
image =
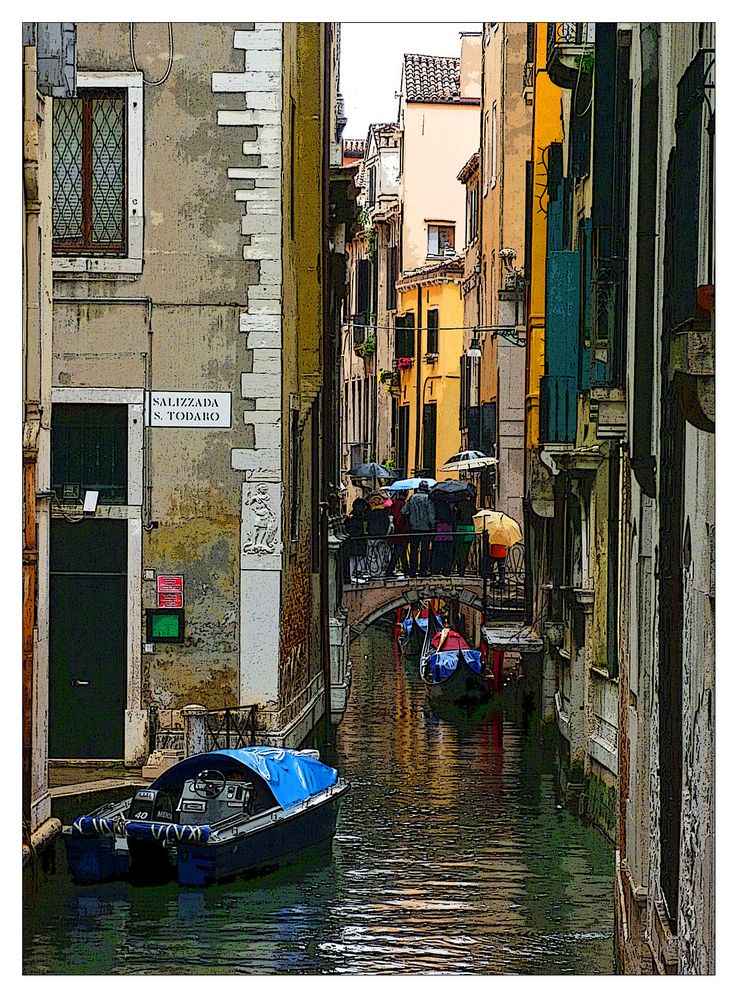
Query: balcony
{"type": "Point", "coordinates": [363, 334]}
{"type": "Point", "coordinates": [558, 409]}
{"type": "Point", "coordinates": [570, 52]}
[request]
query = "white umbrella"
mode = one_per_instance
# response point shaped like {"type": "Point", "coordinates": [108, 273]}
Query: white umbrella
{"type": "Point", "coordinates": [467, 461]}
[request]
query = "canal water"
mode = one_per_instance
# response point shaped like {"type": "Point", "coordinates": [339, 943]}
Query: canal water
{"type": "Point", "coordinates": [452, 857]}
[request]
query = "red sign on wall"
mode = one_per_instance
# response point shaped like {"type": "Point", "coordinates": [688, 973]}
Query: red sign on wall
{"type": "Point", "coordinates": [169, 600]}
{"type": "Point", "coordinates": [169, 591]}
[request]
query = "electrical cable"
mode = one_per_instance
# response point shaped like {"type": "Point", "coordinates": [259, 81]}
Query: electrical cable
{"type": "Point", "coordinates": [153, 83]}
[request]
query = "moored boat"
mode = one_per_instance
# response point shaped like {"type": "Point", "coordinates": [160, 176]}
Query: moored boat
{"type": "Point", "coordinates": [210, 817]}
{"type": "Point", "coordinates": [450, 669]}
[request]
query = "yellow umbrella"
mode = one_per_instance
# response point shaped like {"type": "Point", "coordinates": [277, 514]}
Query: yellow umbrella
{"type": "Point", "coordinates": [502, 529]}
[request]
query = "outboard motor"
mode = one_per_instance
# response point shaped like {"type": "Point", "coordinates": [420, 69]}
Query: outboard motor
{"type": "Point", "coordinates": [148, 805]}
{"type": "Point", "coordinates": [150, 863]}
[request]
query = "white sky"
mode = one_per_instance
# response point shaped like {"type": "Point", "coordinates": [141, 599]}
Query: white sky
{"type": "Point", "coordinates": [372, 62]}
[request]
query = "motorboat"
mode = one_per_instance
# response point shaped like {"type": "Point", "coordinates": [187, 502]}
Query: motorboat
{"type": "Point", "coordinates": [450, 669]}
{"type": "Point", "coordinates": [210, 817]}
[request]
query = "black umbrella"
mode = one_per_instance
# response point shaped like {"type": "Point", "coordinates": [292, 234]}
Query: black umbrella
{"type": "Point", "coordinates": [450, 489]}
{"type": "Point", "coordinates": [371, 470]}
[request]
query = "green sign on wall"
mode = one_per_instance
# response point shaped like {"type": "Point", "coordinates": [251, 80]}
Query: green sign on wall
{"type": "Point", "coordinates": [165, 625]}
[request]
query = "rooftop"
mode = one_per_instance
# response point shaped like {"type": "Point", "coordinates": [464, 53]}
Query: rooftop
{"type": "Point", "coordinates": [470, 168]}
{"type": "Point", "coordinates": [433, 80]}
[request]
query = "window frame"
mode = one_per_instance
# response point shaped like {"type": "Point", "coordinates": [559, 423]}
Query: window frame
{"type": "Point", "coordinates": [440, 255]}
{"type": "Point", "coordinates": [432, 331]}
{"type": "Point", "coordinates": [132, 261]}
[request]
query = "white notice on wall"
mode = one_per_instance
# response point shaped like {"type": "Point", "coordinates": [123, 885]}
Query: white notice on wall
{"type": "Point", "coordinates": [193, 410]}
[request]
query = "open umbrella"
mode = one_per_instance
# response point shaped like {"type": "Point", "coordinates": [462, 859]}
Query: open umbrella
{"type": "Point", "coordinates": [371, 470]}
{"type": "Point", "coordinates": [451, 489]}
{"type": "Point", "coordinates": [502, 529]}
{"type": "Point", "coordinates": [404, 485]}
{"type": "Point", "coordinates": [467, 461]}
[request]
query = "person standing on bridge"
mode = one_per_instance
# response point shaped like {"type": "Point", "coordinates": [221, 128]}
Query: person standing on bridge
{"type": "Point", "coordinates": [464, 528]}
{"type": "Point", "coordinates": [398, 540]}
{"type": "Point", "coordinates": [355, 526]}
{"type": "Point", "coordinates": [421, 519]}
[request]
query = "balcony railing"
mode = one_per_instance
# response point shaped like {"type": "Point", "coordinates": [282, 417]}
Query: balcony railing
{"type": "Point", "coordinates": [558, 409]}
{"type": "Point", "coordinates": [569, 52]}
{"type": "Point", "coordinates": [528, 76]}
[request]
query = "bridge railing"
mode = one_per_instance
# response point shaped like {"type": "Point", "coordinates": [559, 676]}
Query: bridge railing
{"type": "Point", "coordinates": [402, 556]}
{"type": "Point", "coordinates": [370, 559]}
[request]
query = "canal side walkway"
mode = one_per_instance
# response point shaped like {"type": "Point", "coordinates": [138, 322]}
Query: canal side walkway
{"type": "Point", "coordinates": [77, 788]}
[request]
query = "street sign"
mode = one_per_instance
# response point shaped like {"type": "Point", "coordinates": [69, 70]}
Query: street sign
{"type": "Point", "coordinates": [192, 410]}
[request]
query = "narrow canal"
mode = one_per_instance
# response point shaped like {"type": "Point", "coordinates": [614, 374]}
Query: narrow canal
{"type": "Point", "coordinates": [452, 856]}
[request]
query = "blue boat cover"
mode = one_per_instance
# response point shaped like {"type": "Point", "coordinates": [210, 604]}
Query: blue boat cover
{"type": "Point", "coordinates": [291, 776]}
{"type": "Point", "coordinates": [473, 658]}
{"type": "Point", "coordinates": [441, 665]}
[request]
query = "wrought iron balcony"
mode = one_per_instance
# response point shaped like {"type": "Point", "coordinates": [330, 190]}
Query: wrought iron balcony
{"type": "Point", "coordinates": [570, 52]}
{"type": "Point", "coordinates": [558, 409]}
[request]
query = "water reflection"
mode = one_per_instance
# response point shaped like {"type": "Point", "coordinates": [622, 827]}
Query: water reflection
{"type": "Point", "coordinates": [451, 857]}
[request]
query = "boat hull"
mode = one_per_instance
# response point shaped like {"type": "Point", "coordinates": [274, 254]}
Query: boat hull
{"type": "Point", "coordinates": [278, 844]}
{"type": "Point", "coordinates": [281, 838]}
{"type": "Point", "coordinates": [464, 686]}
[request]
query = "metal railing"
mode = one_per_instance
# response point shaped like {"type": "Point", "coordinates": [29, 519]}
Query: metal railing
{"type": "Point", "coordinates": [393, 556]}
{"type": "Point", "coordinates": [528, 75]}
{"type": "Point", "coordinates": [504, 593]}
{"type": "Point", "coordinates": [565, 33]}
{"type": "Point", "coordinates": [229, 728]}
{"type": "Point", "coordinates": [373, 559]}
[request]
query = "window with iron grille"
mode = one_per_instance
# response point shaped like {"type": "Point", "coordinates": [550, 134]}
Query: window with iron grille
{"type": "Point", "coordinates": [89, 173]}
{"type": "Point", "coordinates": [89, 450]}
{"type": "Point", "coordinates": [98, 175]}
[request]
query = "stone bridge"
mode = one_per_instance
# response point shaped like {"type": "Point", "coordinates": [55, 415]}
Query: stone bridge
{"type": "Point", "coordinates": [366, 602]}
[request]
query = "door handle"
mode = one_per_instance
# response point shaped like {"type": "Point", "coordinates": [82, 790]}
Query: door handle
{"type": "Point", "coordinates": [80, 683]}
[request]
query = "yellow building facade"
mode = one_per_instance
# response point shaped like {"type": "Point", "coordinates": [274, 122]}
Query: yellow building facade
{"type": "Point", "coordinates": [547, 128]}
{"type": "Point", "coordinates": [430, 317]}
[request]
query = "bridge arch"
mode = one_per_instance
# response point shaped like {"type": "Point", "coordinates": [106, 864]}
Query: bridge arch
{"type": "Point", "coordinates": [367, 602]}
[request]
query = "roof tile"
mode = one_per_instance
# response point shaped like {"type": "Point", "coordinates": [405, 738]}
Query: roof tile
{"type": "Point", "coordinates": [432, 79]}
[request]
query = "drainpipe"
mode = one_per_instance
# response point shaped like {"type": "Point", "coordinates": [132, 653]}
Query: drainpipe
{"type": "Point", "coordinates": [419, 400]}
{"type": "Point", "coordinates": [326, 399]}
{"type": "Point", "coordinates": [642, 457]}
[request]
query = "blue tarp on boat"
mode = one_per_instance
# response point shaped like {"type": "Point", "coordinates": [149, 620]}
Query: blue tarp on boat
{"type": "Point", "coordinates": [292, 777]}
{"type": "Point", "coordinates": [442, 665]}
{"type": "Point", "coordinates": [473, 658]}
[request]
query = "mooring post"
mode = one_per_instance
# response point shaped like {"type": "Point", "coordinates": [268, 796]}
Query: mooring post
{"type": "Point", "coordinates": [193, 719]}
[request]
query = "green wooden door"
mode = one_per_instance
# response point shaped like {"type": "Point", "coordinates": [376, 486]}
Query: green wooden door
{"type": "Point", "coordinates": [87, 639]}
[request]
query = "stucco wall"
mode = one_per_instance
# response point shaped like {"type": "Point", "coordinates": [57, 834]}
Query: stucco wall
{"type": "Point", "coordinates": [434, 194]}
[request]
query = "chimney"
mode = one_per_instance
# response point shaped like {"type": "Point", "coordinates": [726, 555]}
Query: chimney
{"type": "Point", "coordinates": [470, 66]}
